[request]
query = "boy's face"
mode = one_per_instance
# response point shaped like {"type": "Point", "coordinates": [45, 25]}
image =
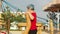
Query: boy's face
{"type": "Point", "coordinates": [28, 8]}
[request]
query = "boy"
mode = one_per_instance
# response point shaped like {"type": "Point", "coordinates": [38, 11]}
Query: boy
{"type": "Point", "coordinates": [32, 16]}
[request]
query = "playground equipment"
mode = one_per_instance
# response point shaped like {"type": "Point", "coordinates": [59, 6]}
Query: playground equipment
{"type": "Point", "coordinates": [51, 26]}
{"type": "Point", "coordinates": [54, 6]}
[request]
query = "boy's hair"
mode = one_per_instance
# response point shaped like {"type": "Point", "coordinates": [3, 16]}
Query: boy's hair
{"type": "Point", "coordinates": [31, 6]}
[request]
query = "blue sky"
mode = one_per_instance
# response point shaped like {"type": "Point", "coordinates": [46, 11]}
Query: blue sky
{"type": "Point", "coordinates": [39, 4]}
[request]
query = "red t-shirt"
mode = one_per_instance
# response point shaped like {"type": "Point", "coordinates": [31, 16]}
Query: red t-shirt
{"type": "Point", "coordinates": [33, 22]}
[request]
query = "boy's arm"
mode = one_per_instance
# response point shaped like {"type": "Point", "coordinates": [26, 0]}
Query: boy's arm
{"type": "Point", "coordinates": [30, 16]}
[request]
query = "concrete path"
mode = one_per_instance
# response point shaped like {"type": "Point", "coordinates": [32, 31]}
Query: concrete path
{"type": "Point", "coordinates": [44, 32]}
{"type": "Point", "coordinates": [19, 32]}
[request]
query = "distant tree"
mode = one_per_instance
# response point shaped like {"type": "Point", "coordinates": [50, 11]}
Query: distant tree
{"type": "Point", "coordinates": [8, 15]}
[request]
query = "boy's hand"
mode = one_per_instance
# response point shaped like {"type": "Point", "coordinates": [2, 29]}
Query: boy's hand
{"type": "Point", "coordinates": [27, 12]}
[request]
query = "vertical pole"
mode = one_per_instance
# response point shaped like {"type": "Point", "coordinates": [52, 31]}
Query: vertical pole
{"type": "Point", "coordinates": [39, 28]}
{"type": "Point", "coordinates": [58, 21]}
{"type": "Point", "coordinates": [48, 26]}
{"type": "Point", "coordinates": [51, 27]}
{"type": "Point", "coordinates": [28, 24]}
{"type": "Point", "coordinates": [8, 26]}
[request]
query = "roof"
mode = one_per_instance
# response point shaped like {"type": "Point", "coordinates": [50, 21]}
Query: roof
{"type": "Point", "coordinates": [52, 6]}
